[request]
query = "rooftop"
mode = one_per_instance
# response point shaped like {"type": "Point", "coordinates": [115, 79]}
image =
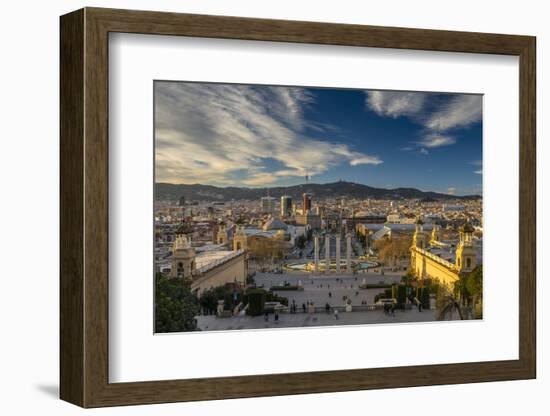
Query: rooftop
{"type": "Point", "coordinates": [209, 259]}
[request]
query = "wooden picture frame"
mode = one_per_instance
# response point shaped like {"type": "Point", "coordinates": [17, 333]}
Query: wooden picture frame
{"type": "Point", "coordinates": [84, 207]}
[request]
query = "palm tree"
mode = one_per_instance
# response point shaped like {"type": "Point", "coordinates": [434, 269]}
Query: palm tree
{"type": "Point", "coordinates": [450, 305]}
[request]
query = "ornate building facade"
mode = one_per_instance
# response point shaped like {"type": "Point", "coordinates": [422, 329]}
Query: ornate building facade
{"type": "Point", "coordinates": [430, 264]}
{"type": "Point", "coordinates": [207, 269]}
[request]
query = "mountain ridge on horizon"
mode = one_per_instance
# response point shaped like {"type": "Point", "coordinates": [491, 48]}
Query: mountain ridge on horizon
{"type": "Point", "coordinates": [200, 192]}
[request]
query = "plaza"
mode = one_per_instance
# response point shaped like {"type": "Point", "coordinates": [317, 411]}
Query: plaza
{"type": "Point", "coordinates": [321, 289]}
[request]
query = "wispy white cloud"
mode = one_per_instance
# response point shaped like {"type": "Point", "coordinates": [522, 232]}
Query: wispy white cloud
{"type": "Point", "coordinates": [364, 160]}
{"type": "Point", "coordinates": [460, 111]}
{"type": "Point", "coordinates": [451, 190]}
{"type": "Point", "coordinates": [423, 151]}
{"type": "Point", "coordinates": [477, 163]}
{"type": "Point", "coordinates": [436, 140]}
{"type": "Point", "coordinates": [395, 104]}
{"type": "Point", "coordinates": [241, 135]}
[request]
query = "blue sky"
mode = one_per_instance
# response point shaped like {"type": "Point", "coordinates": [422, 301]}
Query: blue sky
{"type": "Point", "coordinates": [256, 136]}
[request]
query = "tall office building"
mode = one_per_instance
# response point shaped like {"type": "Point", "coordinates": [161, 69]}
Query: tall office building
{"type": "Point", "coordinates": [286, 206]}
{"type": "Point", "coordinates": [268, 204]}
{"type": "Point", "coordinates": [306, 203]}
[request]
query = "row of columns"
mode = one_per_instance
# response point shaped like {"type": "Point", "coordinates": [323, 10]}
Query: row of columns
{"type": "Point", "coordinates": [327, 253]}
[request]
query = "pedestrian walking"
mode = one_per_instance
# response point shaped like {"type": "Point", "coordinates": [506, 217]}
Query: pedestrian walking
{"type": "Point", "coordinates": [276, 316]}
{"type": "Point", "coordinates": [335, 313]}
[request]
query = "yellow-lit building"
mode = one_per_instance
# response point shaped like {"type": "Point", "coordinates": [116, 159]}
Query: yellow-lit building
{"type": "Point", "coordinates": [430, 264]}
{"type": "Point", "coordinates": [207, 269]}
{"type": "Point", "coordinates": [272, 237]}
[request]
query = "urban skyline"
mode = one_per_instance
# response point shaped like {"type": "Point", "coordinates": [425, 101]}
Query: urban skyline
{"type": "Point", "coordinates": [264, 136]}
{"type": "Point", "coordinates": [281, 207]}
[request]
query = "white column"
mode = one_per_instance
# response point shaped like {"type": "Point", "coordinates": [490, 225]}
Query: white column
{"type": "Point", "coordinates": [316, 239]}
{"type": "Point", "coordinates": [348, 252]}
{"type": "Point", "coordinates": [327, 253]}
{"type": "Point", "coordinates": [338, 254]}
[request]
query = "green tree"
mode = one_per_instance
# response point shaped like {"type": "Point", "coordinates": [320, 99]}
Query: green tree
{"type": "Point", "coordinates": [474, 285]}
{"type": "Point", "coordinates": [209, 299]}
{"type": "Point", "coordinates": [391, 250]}
{"type": "Point", "coordinates": [468, 291]}
{"type": "Point", "coordinates": [408, 278]}
{"type": "Point", "coordinates": [474, 282]}
{"type": "Point", "coordinates": [175, 305]}
{"type": "Point", "coordinates": [399, 293]}
{"type": "Point", "coordinates": [256, 301]}
{"type": "Point", "coordinates": [461, 291]}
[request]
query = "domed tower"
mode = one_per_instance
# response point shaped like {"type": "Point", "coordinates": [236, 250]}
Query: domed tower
{"type": "Point", "coordinates": [420, 238]}
{"type": "Point", "coordinates": [240, 240]}
{"type": "Point", "coordinates": [183, 255]}
{"type": "Point", "coordinates": [466, 259]}
{"type": "Point", "coordinates": [222, 233]}
{"type": "Point", "coordinates": [436, 233]}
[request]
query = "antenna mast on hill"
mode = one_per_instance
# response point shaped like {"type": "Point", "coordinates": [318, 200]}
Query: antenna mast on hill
{"type": "Point", "coordinates": [307, 177]}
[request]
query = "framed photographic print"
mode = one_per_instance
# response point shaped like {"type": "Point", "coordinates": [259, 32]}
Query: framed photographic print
{"type": "Point", "coordinates": [260, 207]}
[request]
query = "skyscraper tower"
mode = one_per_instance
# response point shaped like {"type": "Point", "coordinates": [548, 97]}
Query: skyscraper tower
{"type": "Point", "coordinates": [286, 206]}
{"type": "Point", "coordinates": [306, 202]}
{"type": "Point", "coordinates": [267, 204]}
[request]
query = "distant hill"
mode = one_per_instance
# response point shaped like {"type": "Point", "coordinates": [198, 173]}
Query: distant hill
{"type": "Point", "coordinates": [197, 192]}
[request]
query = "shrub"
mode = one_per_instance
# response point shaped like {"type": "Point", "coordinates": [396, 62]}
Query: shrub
{"type": "Point", "coordinates": [426, 299]}
{"type": "Point", "coordinates": [227, 301]}
{"type": "Point", "coordinates": [423, 295]}
{"type": "Point", "coordinates": [399, 293]}
{"type": "Point", "coordinates": [289, 287]}
{"type": "Point", "coordinates": [272, 297]}
{"type": "Point", "coordinates": [256, 301]}
{"type": "Point", "coordinates": [376, 286]}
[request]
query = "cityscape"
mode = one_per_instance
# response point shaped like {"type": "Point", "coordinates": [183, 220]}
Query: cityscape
{"type": "Point", "coordinates": [281, 207]}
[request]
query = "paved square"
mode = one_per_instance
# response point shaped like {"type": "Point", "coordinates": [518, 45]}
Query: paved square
{"type": "Point", "coordinates": [321, 289]}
